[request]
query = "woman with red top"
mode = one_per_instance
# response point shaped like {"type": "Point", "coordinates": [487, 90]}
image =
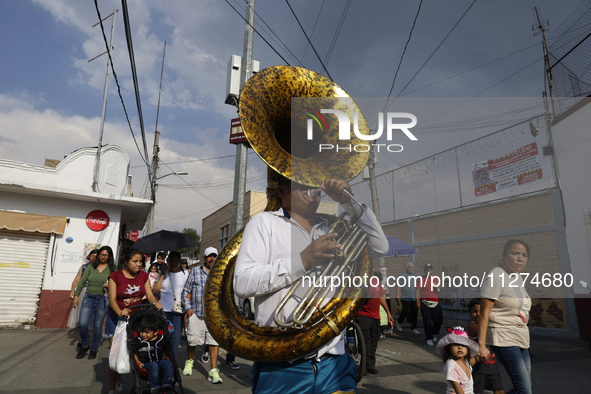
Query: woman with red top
{"type": "Point", "coordinates": [127, 287]}
{"type": "Point", "coordinates": [428, 303]}
{"type": "Point", "coordinates": [368, 319]}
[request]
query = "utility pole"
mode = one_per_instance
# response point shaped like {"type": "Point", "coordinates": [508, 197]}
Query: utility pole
{"type": "Point", "coordinates": [154, 176]}
{"type": "Point", "coordinates": [156, 149]}
{"type": "Point", "coordinates": [371, 165]}
{"type": "Point", "coordinates": [542, 27]}
{"type": "Point", "coordinates": [97, 162]}
{"type": "Point", "coordinates": [241, 149]}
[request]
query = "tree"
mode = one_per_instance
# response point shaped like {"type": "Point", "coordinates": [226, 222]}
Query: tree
{"type": "Point", "coordinates": [191, 232]}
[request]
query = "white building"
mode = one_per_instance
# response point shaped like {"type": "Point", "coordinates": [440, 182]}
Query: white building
{"type": "Point", "coordinates": [50, 218]}
{"type": "Point", "coordinates": [570, 133]}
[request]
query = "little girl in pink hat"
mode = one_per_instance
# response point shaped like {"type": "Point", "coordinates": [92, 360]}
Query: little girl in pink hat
{"type": "Point", "coordinates": [459, 354]}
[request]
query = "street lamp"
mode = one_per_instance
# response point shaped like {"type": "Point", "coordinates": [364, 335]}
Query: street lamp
{"type": "Point", "coordinates": [151, 228]}
{"type": "Point", "coordinates": [173, 173]}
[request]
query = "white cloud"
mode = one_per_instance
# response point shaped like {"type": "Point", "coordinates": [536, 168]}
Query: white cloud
{"type": "Point", "coordinates": [55, 135]}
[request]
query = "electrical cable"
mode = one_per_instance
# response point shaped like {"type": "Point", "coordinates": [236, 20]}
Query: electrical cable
{"type": "Point", "coordinates": [197, 190]}
{"type": "Point", "coordinates": [314, 28]}
{"type": "Point", "coordinates": [337, 32]}
{"type": "Point", "coordinates": [438, 46]}
{"type": "Point", "coordinates": [293, 56]}
{"type": "Point", "coordinates": [196, 160]}
{"type": "Point", "coordinates": [403, 52]}
{"type": "Point", "coordinates": [128, 39]}
{"type": "Point", "coordinates": [471, 69]}
{"type": "Point", "coordinates": [255, 30]}
{"type": "Point", "coordinates": [310, 42]}
{"type": "Point", "coordinates": [119, 87]}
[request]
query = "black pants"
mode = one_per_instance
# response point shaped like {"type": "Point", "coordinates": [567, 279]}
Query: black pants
{"type": "Point", "coordinates": [432, 320]}
{"type": "Point", "coordinates": [371, 333]}
{"type": "Point", "coordinates": [410, 311]}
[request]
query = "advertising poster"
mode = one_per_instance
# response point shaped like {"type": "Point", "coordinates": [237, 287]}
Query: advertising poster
{"type": "Point", "coordinates": [515, 168]}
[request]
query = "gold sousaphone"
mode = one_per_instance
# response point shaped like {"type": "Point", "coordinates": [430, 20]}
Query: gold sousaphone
{"type": "Point", "coordinates": [277, 133]}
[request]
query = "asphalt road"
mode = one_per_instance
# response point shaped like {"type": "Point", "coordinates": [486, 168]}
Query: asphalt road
{"type": "Point", "coordinates": [43, 361]}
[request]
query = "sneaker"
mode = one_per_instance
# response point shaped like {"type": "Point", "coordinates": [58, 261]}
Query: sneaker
{"type": "Point", "coordinates": [232, 365]}
{"type": "Point", "coordinates": [205, 357]}
{"type": "Point", "coordinates": [155, 390]}
{"type": "Point", "coordinates": [435, 338]}
{"type": "Point", "coordinates": [188, 370]}
{"type": "Point", "coordinates": [119, 385]}
{"type": "Point", "coordinates": [416, 332]}
{"type": "Point", "coordinates": [430, 342]}
{"type": "Point", "coordinates": [166, 389]}
{"type": "Point", "coordinates": [92, 355]}
{"type": "Point", "coordinates": [399, 326]}
{"type": "Point", "coordinates": [214, 376]}
{"type": "Point", "coordinates": [82, 352]}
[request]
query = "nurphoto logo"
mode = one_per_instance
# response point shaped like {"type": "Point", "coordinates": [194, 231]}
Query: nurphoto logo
{"type": "Point", "coordinates": [345, 129]}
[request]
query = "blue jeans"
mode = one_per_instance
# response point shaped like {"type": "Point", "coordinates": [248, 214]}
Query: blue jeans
{"type": "Point", "coordinates": [177, 322]}
{"type": "Point", "coordinates": [110, 324]}
{"type": "Point", "coordinates": [331, 374]}
{"type": "Point", "coordinates": [154, 369]}
{"type": "Point", "coordinates": [518, 365]}
{"type": "Point", "coordinates": [92, 305]}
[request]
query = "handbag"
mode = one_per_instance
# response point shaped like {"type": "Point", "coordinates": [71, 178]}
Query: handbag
{"type": "Point", "coordinates": [119, 358]}
{"type": "Point", "coordinates": [177, 306]}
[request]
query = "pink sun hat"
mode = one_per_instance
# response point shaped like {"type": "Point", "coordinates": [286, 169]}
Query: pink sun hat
{"type": "Point", "coordinates": [459, 336]}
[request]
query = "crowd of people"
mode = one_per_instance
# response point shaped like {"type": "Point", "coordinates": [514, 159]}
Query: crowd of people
{"type": "Point", "coordinates": [497, 329]}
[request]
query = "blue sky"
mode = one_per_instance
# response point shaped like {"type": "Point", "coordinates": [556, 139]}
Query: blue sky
{"type": "Point", "coordinates": [51, 95]}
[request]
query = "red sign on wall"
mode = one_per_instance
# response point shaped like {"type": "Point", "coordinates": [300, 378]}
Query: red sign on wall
{"type": "Point", "coordinates": [236, 134]}
{"type": "Point", "coordinates": [133, 235]}
{"type": "Point", "coordinates": [97, 220]}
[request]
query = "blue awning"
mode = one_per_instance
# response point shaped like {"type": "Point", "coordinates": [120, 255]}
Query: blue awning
{"type": "Point", "coordinates": [398, 247]}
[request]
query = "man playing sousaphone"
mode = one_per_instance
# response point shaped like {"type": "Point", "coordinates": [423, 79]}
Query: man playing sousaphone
{"type": "Point", "coordinates": [279, 247]}
{"type": "Point", "coordinates": [296, 352]}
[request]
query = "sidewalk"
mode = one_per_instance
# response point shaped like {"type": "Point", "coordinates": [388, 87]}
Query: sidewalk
{"type": "Point", "coordinates": [43, 362]}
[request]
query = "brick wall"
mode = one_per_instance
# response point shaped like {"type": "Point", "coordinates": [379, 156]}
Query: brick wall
{"type": "Point", "coordinates": [476, 257]}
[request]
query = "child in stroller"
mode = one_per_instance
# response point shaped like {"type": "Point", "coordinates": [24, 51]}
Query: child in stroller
{"type": "Point", "coordinates": [151, 350]}
{"type": "Point", "coordinates": [148, 351]}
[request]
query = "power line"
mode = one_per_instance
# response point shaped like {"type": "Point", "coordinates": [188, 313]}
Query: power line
{"type": "Point", "coordinates": [310, 42]}
{"type": "Point", "coordinates": [255, 30]}
{"type": "Point", "coordinates": [128, 39]}
{"type": "Point", "coordinates": [466, 71]}
{"type": "Point", "coordinates": [119, 87]}
{"type": "Point", "coordinates": [338, 31]}
{"type": "Point", "coordinates": [197, 160]}
{"type": "Point", "coordinates": [197, 190]}
{"type": "Point", "coordinates": [402, 56]}
{"type": "Point", "coordinates": [438, 46]}
{"type": "Point", "coordinates": [293, 56]}
{"type": "Point", "coordinates": [314, 28]}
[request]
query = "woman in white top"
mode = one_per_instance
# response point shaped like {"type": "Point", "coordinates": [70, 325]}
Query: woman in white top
{"type": "Point", "coordinates": [504, 313]}
{"type": "Point", "coordinates": [172, 280]}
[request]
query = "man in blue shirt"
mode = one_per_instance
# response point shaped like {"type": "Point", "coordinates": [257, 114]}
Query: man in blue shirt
{"type": "Point", "coordinates": [406, 294]}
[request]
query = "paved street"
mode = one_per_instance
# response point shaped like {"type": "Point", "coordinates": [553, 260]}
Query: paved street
{"type": "Point", "coordinates": [43, 361]}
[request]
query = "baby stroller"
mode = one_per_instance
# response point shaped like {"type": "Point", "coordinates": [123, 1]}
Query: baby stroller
{"type": "Point", "coordinates": [133, 328]}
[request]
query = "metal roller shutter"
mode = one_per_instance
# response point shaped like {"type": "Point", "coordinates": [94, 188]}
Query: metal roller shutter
{"type": "Point", "coordinates": [22, 267]}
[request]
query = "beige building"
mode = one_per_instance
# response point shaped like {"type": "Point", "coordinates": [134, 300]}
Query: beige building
{"type": "Point", "coordinates": [216, 227]}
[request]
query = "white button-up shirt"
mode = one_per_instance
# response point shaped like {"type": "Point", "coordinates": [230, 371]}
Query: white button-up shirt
{"type": "Point", "coordinates": [269, 262]}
